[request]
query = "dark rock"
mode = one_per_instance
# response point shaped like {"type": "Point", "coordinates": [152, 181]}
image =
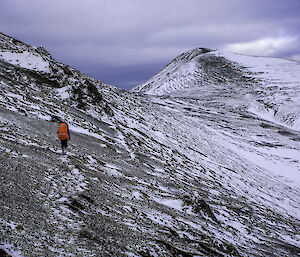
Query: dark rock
{"type": "Point", "coordinates": [4, 253]}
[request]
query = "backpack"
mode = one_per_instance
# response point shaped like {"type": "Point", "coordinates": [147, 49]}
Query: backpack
{"type": "Point", "coordinates": [63, 131]}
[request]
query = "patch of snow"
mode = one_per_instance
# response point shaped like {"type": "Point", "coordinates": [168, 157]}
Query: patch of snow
{"type": "Point", "coordinates": [113, 169]}
{"type": "Point", "coordinates": [278, 164]}
{"type": "Point", "coordinates": [122, 141]}
{"type": "Point", "coordinates": [92, 160]}
{"type": "Point", "coordinates": [64, 92]}
{"type": "Point", "coordinates": [44, 117]}
{"type": "Point", "coordinates": [14, 96]}
{"type": "Point", "coordinates": [28, 60]}
{"type": "Point", "coordinates": [84, 131]}
{"type": "Point", "coordinates": [137, 195]}
{"type": "Point", "coordinates": [172, 203]}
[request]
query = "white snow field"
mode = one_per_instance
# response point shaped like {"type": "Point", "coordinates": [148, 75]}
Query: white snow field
{"type": "Point", "coordinates": [26, 60]}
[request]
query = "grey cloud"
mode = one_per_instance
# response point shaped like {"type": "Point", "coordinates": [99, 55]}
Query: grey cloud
{"type": "Point", "coordinates": [139, 33]}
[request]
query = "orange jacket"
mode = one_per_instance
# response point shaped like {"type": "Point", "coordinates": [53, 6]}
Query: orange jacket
{"type": "Point", "coordinates": [63, 131]}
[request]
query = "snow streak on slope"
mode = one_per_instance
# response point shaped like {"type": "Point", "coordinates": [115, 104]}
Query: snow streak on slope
{"type": "Point", "coordinates": [144, 175]}
{"type": "Point", "coordinates": [26, 60]}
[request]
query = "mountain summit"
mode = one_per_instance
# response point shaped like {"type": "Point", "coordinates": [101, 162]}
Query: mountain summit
{"type": "Point", "coordinates": [201, 160]}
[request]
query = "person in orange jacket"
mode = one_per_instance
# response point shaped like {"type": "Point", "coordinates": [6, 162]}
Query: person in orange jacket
{"type": "Point", "coordinates": [63, 134]}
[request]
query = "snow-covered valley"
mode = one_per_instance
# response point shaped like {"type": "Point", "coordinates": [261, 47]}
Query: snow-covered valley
{"type": "Point", "coordinates": [201, 160]}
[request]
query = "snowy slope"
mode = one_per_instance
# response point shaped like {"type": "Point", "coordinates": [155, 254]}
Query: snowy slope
{"type": "Point", "coordinates": [26, 60]}
{"type": "Point", "coordinates": [280, 84]}
{"type": "Point", "coordinates": [275, 96]}
{"type": "Point", "coordinates": [24, 56]}
{"type": "Point", "coordinates": [193, 171]}
{"type": "Point", "coordinates": [181, 73]}
{"type": "Point", "coordinates": [267, 87]}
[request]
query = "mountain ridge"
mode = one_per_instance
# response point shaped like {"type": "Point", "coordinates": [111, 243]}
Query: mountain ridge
{"type": "Point", "coordinates": [210, 68]}
{"type": "Point", "coordinates": [144, 175]}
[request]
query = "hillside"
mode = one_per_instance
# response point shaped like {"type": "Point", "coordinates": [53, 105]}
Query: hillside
{"type": "Point", "coordinates": [182, 166]}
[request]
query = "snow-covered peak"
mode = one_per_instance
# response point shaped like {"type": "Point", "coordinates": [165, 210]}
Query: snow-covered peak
{"type": "Point", "coordinates": [203, 66]}
{"type": "Point", "coordinates": [269, 87]}
{"type": "Point", "coordinates": [174, 76]}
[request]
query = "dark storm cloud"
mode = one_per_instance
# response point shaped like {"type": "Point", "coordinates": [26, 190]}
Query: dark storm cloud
{"type": "Point", "coordinates": [130, 36]}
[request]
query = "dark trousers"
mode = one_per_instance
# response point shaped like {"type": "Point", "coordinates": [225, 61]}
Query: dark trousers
{"type": "Point", "coordinates": [64, 143]}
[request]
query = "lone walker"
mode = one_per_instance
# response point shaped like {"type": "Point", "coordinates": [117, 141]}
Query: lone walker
{"type": "Point", "coordinates": [63, 135]}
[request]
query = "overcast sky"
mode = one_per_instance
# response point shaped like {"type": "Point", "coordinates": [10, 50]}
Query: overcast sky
{"type": "Point", "coordinates": [125, 42]}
